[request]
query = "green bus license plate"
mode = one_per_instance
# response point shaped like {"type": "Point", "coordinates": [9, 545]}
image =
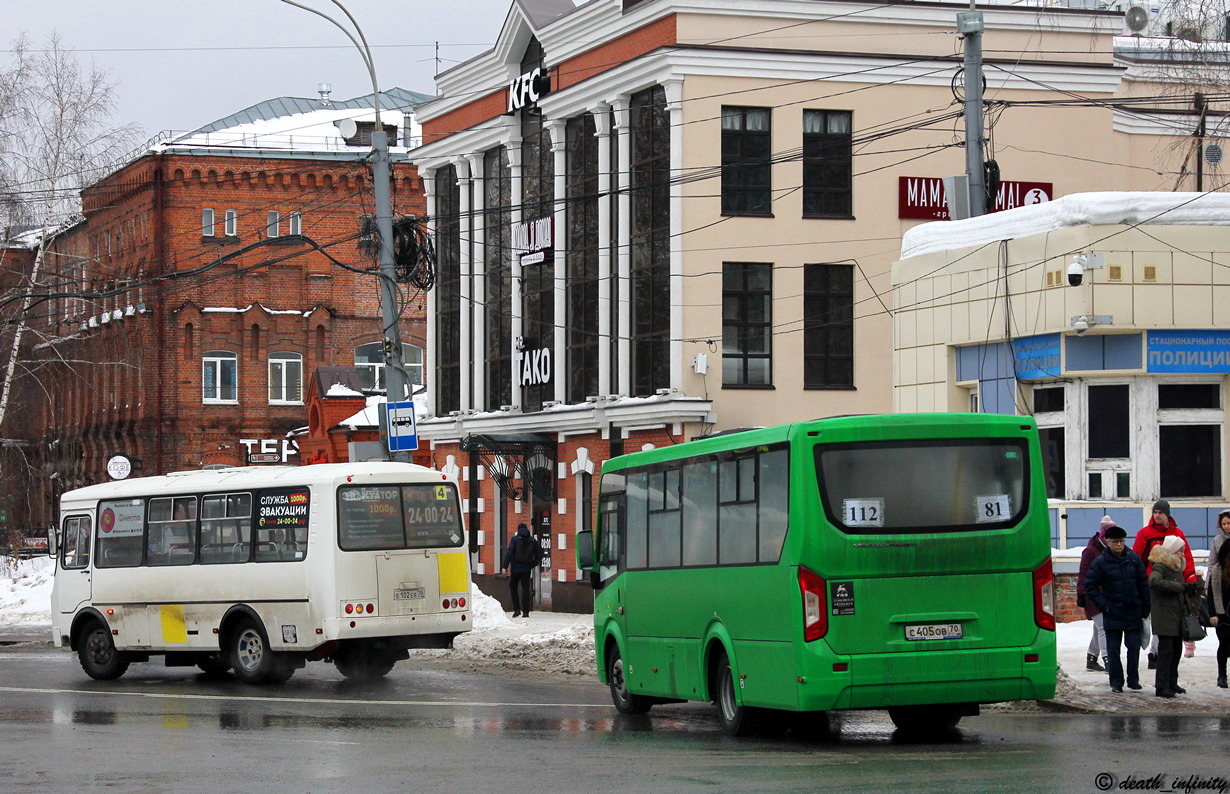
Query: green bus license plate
{"type": "Point", "coordinates": [409, 594]}
{"type": "Point", "coordinates": [933, 631]}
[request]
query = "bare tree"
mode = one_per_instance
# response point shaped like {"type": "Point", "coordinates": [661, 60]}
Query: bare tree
{"type": "Point", "coordinates": [55, 138]}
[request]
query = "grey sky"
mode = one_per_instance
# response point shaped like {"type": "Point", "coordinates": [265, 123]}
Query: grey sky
{"type": "Point", "coordinates": [179, 64]}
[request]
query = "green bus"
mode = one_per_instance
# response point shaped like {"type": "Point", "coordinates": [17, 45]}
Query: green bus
{"type": "Point", "coordinates": [897, 562]}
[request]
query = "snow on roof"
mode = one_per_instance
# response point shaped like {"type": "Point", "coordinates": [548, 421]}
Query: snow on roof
{"type": "Point", "coordinates": [1108, 208]}
{"type": "Point", "coordinates": [314, 130]}
{"type": "Point", "coordinates": [342, 390]}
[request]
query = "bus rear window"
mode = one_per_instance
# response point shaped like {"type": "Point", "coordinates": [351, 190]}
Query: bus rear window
{"type": "Point", "coordinates": [398, 517]}
{"type": "Point", "coordinates": [923, 486]}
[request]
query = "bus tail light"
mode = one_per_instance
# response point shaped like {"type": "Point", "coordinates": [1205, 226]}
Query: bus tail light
{"type": "Point", "coordinates": [1044, 596]}
{"type": "Point", "coordinates": [815, 613]}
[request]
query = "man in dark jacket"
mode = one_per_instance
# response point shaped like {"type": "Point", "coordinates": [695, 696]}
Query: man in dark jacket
{"type": "Point", "coordinates": [521, 558]}
{"type": "Point", "coordinates": [1117, 584]}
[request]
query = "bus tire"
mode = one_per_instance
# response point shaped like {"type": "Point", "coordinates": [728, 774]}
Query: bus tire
{"type": "Point", "coordinates": [213, 664]}
{"type": "Point", "coordinates": [96, 651]}
{"type": "Point", "coordinates": [736, 720]}
{"type": "Point", "coordinates": [625, 702]}
{"type": "Point", "coordinates": [370, 666]}
{"type": "Point", "coordinates": [250, 656]}
{"type": "Point", "coordinates": [924, 720]}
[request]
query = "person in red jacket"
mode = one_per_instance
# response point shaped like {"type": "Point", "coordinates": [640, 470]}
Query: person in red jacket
{"type": "Point", "coordinates": [1161, 526]}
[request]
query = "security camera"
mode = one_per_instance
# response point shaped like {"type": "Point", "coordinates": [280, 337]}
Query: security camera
{"type": "Point", "coordinates": [1076, 271]}
{"type": "Point", "coordinates": [1081, 325]}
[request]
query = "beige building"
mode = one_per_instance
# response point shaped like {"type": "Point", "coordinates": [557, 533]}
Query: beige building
{"type": "Point", "coordinates": [1105, 316]}
{"type": "Point", "coordinates": [657, 219]}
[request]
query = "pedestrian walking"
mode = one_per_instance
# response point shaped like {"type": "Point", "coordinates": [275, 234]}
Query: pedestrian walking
{"type": "Point", "coordinates": [1161, 525]}
{"type": "Point", "coordinates": [1117, 585]}
{"type": "Point", "coordinates": [1219, 592]}
{"type": "Point", "coordinates": [1167, 587]}
{"type": "Point", "coordinates": [1097, 642]}
{"type": "Point", "coordinates": [521, 558]}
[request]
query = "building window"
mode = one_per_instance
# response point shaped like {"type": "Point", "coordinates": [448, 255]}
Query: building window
{"type": "Point", "coordinates": [369, 360]}
{"type": "Point", "coordinates": [296, 223]}
{"type": "Point", "coordinates": [273, 226]}
{"type": "Point", "coordinates": [207, 222]}
{"type": "Point", "coordinates": [1189, 438]}
{"type": "Point", "coordinates": [747, 324]}
{"type": "Point", "coordinates": [286, 378]}
{"type": "Point", "coordinates": [581, 195]}
{"type": "Point", "coordinates": [746, 154]}
{"type": "Point", "coordinates": [1109, 422]}
{"type": "Point", "coordinates": [538, 280]}
{"type": "Point", "coordinates": [448, 292]}
{"type": "Point", "coordinates": [649, 291]}
{"type": "Point", "coordinates": [220, 377]}
{"type": "Point", "coordinates": [828, 326]}
{"type": "Point", "coordinates": [231, 225]}
{"type": "Point", "coordinates": [497, 225]}
{"type": "Point", "coordinates": [828, 164]}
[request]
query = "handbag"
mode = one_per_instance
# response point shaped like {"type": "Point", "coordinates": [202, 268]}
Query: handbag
{"type": "Point", "coordinates": [1190, 629]}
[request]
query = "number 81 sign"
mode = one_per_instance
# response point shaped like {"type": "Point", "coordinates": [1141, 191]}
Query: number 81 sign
{"type": "Point", "coordinates": [993, 508]}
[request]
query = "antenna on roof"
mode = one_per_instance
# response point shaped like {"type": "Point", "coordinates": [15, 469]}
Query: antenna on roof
{"type": "Point", "coordinates": [324, 89]}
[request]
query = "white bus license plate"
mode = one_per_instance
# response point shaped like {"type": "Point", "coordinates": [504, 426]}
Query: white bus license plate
{"type": "Point", "coordinates": [933, 631]}
{"type": "Point", "coordinates": [409, 594]}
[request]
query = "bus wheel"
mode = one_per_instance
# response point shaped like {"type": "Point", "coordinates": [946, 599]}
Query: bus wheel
{"type": "Point", "coordinates": [924, 719]}
{"type": "Point", "coordinates": [98, 655]}
{"type": "Point", "coordinates": [625, 702]}
{"type": "Point", "coordinates": [213, 664]}
{"type": "Point", "coordinates": [361, 666]}
{"type": "Point", "coordinates": [736, 720]}
{"type": "Point", "coordinates": [251, 657]}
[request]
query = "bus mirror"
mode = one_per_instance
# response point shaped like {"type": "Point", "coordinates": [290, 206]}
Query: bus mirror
{"type": "Point", "coordinates": [585, 550]}
{"type": "Point", "coordinates": [53, 546]}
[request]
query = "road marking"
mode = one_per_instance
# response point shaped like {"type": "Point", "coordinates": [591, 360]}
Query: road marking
{"type": "Point", "coordinates": [333, 701]}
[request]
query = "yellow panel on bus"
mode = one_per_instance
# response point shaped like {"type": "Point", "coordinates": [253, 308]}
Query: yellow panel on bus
{"type": "Point", "coordinates": [173, 627]}
{"type": "Point", "coordinates": [454, 573]}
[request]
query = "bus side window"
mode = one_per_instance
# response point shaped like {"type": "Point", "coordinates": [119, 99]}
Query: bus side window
{"type": "Point", "coordinates": [76, 543]}
{"type": "Point", "coordinates": [610, 533]}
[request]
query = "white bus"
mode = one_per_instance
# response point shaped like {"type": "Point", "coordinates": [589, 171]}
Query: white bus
{"type": "Point", "coordinates": [262, 569]}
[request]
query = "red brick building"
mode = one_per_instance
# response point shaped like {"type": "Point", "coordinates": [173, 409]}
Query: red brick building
{"type": "Point", "coordinates": [209, 275]}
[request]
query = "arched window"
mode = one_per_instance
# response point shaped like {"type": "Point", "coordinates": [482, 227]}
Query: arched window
{"type": "Point", "coordinates": [220, 377]}
{"type": "Point", "coordinates": [285, 378]}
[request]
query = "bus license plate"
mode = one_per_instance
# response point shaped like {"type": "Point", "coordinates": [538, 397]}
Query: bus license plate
{"type": "Point", "coordinates": [409, 594]}
{"type": "Point", "coordinates": [933, 631]}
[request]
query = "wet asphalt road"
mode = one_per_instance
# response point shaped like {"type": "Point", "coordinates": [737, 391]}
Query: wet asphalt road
{"type": "Point", "coordinates": [436, 726]}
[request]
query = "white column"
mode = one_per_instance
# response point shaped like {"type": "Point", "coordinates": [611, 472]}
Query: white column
{"type": "Point", "coordinates": [516, 213]}
{"type": "Point", "coordinates": [674, 107]}
{"type": "Point", "coordinates": [624, 243]}
{"type": "Point", "coordinates": [602, 130]}
{"type": "Point", "coordinates": [431, 354]}
{"type": "Point", "coordinates": [478, 303]}
{"type": "Point", "coordinates": [559, 243]}
{"type": "Point", "coordinates": [467, 267]}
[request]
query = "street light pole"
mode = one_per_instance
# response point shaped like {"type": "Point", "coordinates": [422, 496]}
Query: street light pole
{"type": "Point", "coordinates": [394, 371]}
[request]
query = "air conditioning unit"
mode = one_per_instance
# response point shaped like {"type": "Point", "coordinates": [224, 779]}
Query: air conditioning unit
{"type": "Point", "coordinates": [1136, 19]}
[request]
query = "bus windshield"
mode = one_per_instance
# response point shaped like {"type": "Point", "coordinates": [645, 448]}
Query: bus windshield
{"type": "Point", "coordinates": [923, 486]}
{"type": "Point", "coordinates": [398, 517]}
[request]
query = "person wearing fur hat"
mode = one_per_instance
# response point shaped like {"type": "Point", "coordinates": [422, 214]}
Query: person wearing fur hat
{"type": "Point", "coordinates": [1161, 525]}
{"type": "Point", "coordinates": [1097, 643]}
{"type": "Point", "coordinates": [1166, 586]}
{"type": "Point", "coordinates": [1117, 584]}
{"type": "Point", "coordinates": [1219, 592]}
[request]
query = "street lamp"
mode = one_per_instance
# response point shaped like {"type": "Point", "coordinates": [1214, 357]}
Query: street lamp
{"type": "Point", "coordinates": [395, 379]}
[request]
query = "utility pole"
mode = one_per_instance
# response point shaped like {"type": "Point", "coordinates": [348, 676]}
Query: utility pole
{"type": "Point", "coordinates": [969, 25]}
{"type": "Point", "coordinates": [394, 370]}
{"type": "Point", "coordinates": [1201, 107]}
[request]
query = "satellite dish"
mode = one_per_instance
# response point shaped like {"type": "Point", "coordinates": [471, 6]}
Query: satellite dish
{"type": "Point", "coordinates": [1137, 18]}
{"type": "Point", "coordinates": [348, 128]}
{"type": "Point", "coordinates": [1213, 154]}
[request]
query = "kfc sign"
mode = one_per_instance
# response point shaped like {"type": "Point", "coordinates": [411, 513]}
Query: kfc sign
{"type": "Point", "coordinates": [525, 91]}
{"type": "Point", "coordinates": [922, 197]}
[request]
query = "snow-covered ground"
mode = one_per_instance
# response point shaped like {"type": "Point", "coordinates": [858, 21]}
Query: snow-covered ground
{"type": "Point", "coordinates": [563, 643]}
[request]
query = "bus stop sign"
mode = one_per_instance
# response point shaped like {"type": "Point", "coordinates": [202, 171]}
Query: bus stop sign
{"type": "Point", "coordinates": [400, 431]}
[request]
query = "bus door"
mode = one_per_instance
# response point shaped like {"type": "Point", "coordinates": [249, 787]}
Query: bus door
{"type": "Point", "coordinates": [608, 556]}
{"type": "Point", "coordinates": [73, 580]}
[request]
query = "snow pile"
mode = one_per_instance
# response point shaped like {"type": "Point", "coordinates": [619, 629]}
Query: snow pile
{"type": "Point", "coordinates": [1106, 208]}
{"type": "Point", "coordinates": [25, 591]}
{"type": "Point", "coordinates": [486, 611]}
{"type": "Point", "coordinates": [567, 650]}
